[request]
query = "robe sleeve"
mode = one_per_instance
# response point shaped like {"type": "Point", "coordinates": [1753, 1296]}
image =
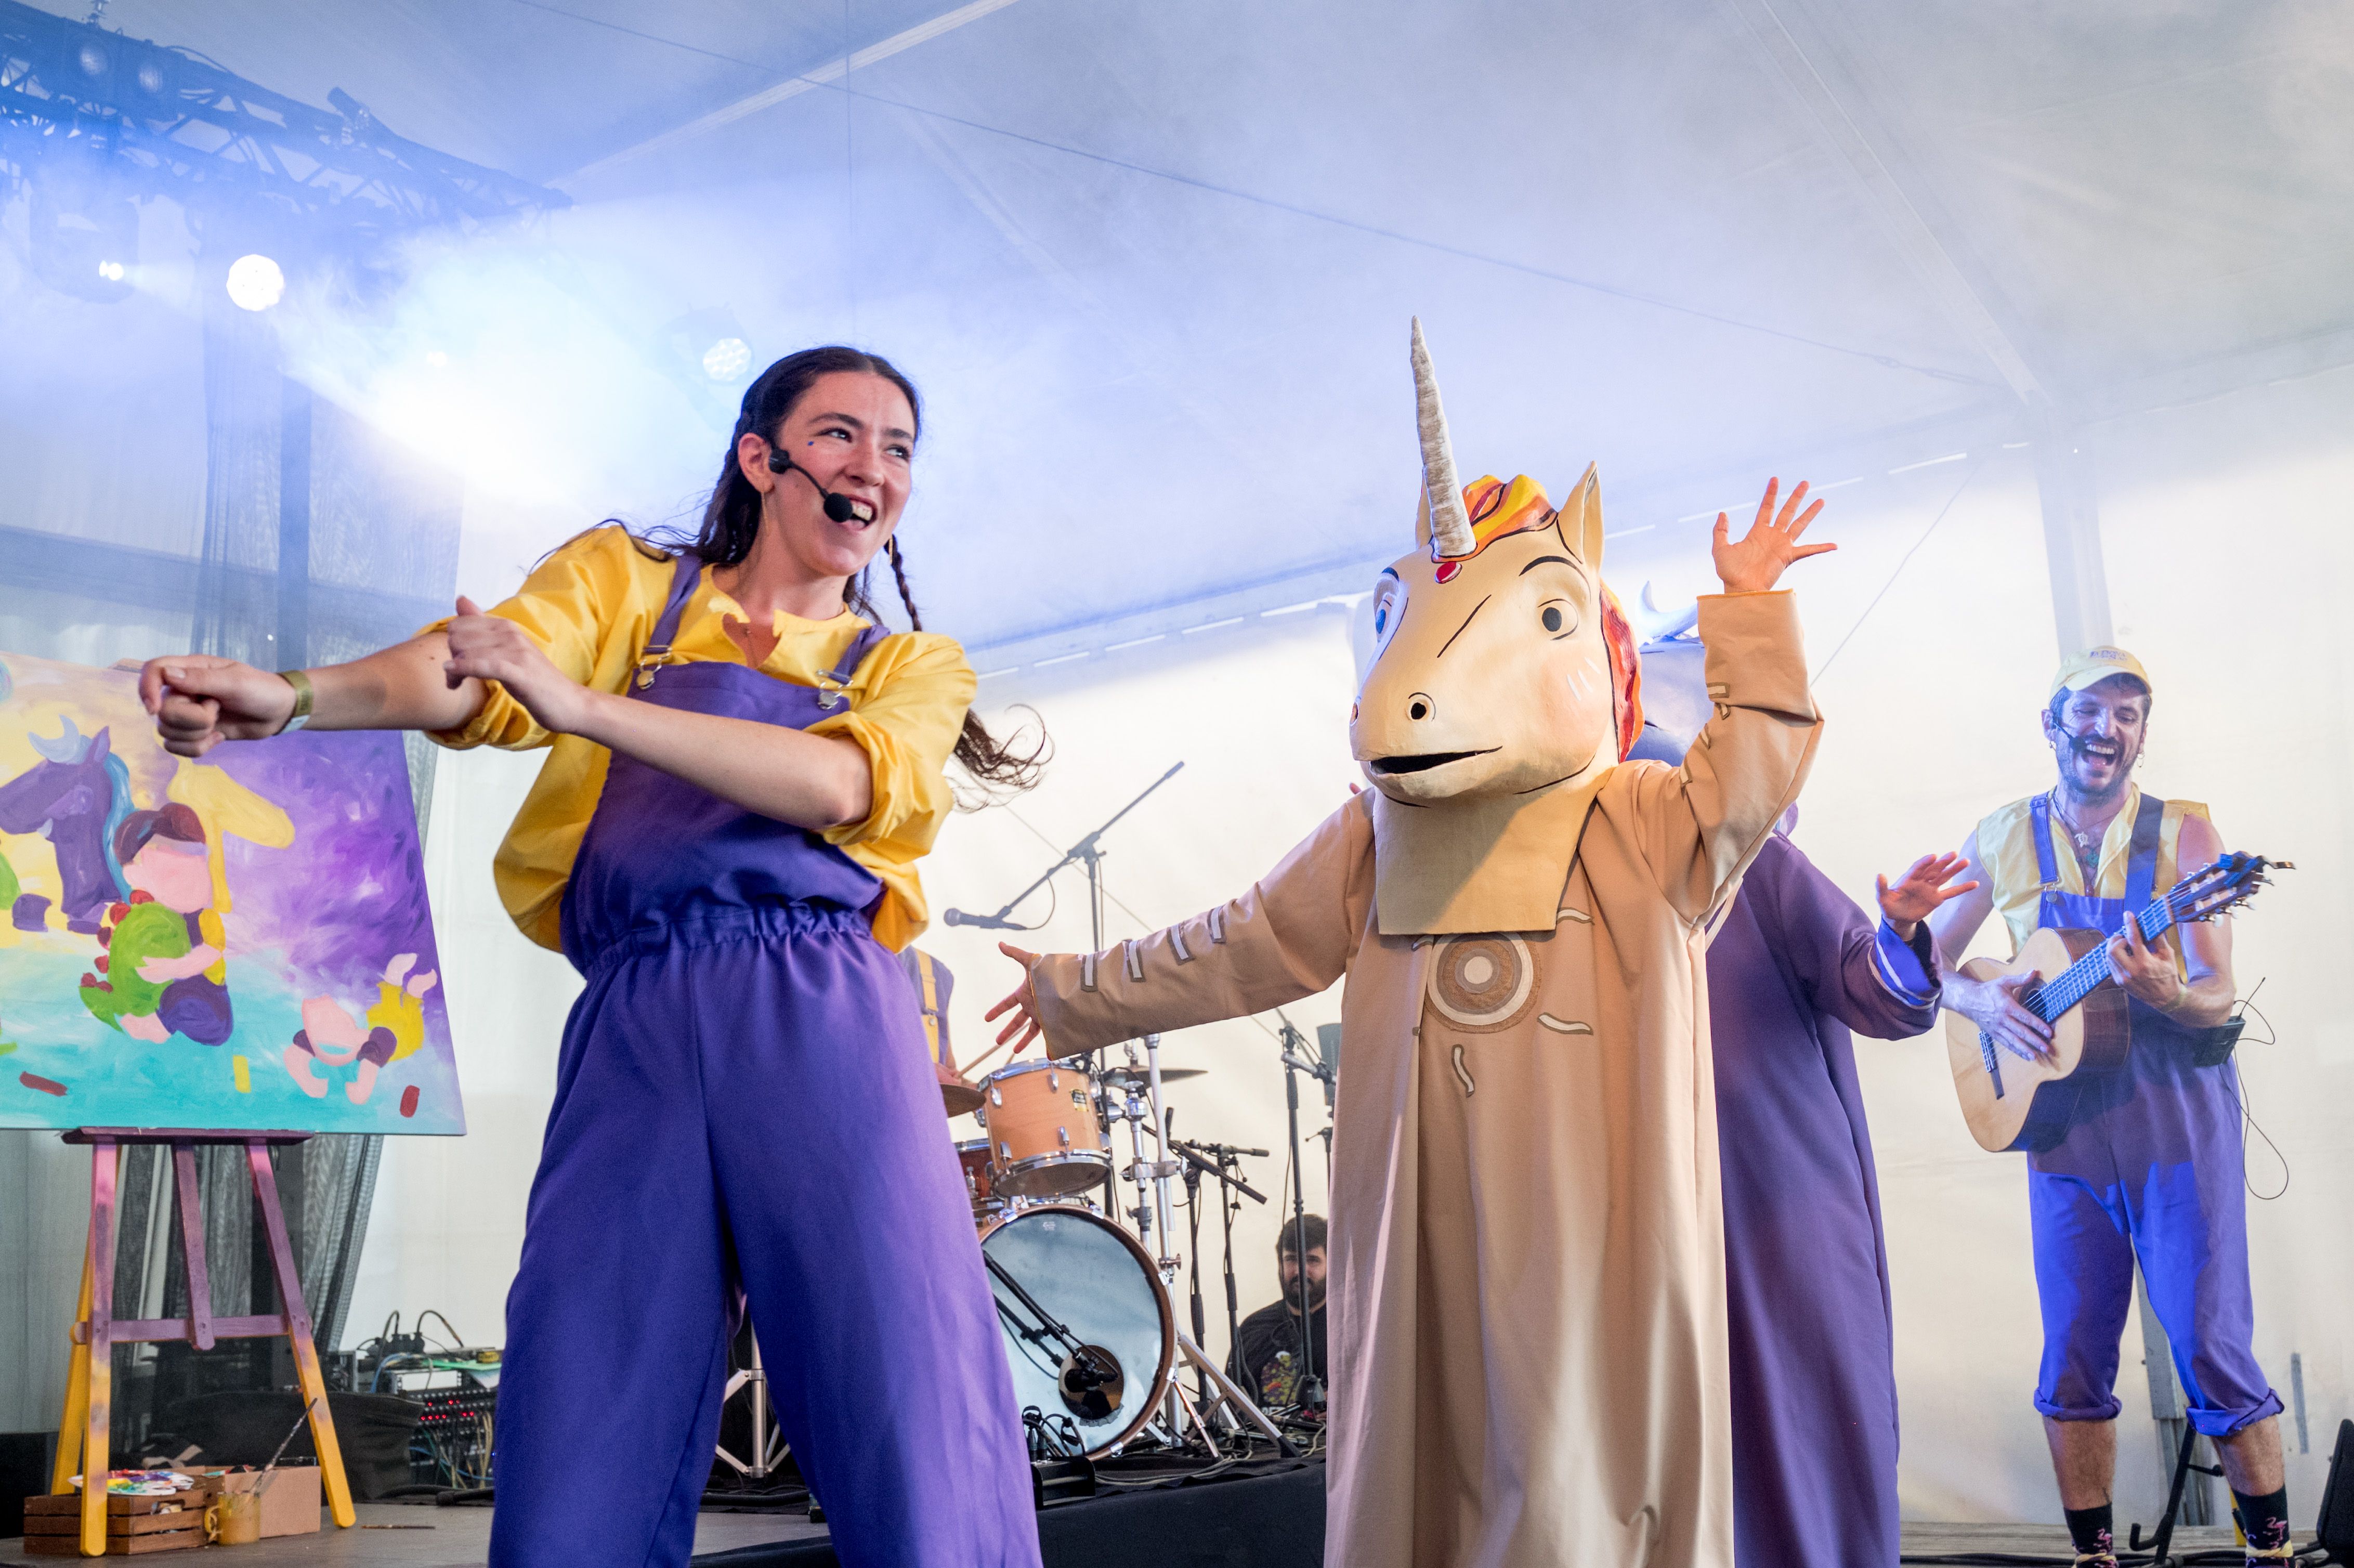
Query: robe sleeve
{"type": "Point", "coordinates": [1699, 825]}
{"type": "Point", "coordinates": [1290, 937]}
{"type": "Point", "coordinates": [1861, 973]}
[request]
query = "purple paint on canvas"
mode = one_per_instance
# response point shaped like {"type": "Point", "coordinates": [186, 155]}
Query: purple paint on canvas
{"type": "Point", "coordinates": [362, 898]}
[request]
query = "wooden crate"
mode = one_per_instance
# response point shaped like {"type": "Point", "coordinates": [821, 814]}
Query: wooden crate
{"type": "Point", "coordinates": [133, 1524]}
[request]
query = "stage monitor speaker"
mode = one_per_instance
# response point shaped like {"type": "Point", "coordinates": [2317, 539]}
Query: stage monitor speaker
{"type": "Point", "coordinates": [2335, 1528]}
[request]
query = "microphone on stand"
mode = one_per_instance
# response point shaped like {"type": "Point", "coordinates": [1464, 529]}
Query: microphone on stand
{"type": "Point", "coordinates": [986, 922]}
{"type": "Point", "coordinates": [840, 508]}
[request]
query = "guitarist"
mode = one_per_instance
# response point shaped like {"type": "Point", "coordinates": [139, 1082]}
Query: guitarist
{"type": "Point", "coordinates": [2150, 1168]}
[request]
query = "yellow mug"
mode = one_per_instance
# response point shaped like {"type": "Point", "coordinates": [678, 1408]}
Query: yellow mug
{"type": "Point", "coordinates": [234, 1520]}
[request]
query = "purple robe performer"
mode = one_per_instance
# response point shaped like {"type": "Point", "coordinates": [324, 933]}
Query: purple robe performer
{"type": "Point", "coordinates": [1794, 966]}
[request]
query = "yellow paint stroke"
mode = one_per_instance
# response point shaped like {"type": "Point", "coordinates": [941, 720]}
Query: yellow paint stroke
{"type": "Point", "coordinates": [243, 1074]}
{"type": "Point", "coordinates": [227, 806]}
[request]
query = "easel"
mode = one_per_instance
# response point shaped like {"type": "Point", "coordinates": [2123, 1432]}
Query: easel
{"type": "Point", "coordinates": [82, 1436]}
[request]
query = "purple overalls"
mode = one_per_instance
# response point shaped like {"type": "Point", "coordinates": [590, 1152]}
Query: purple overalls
{"type": "Point", "coordinates": [2151, 1166]}
{"type": "Point", "coordinates": [744, 1095]}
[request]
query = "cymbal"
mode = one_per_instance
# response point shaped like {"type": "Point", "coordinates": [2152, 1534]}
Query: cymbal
{"type": "Point", "coordinates": [1138, 1078]}
{"type": "Point", "coordinates": [958, 1096]}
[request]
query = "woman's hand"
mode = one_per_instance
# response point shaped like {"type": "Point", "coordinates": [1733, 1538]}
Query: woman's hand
{"type": "Point", "coordinates": [1022, 1001]}
{"type": "Point", "coordinates": [1756, 562]}
{"type": "Point", "coordinates": [493, 648]}
{"type": "Point", "coordinates": [197, 701]}
{"type": "Point", "coordinates": [1919, 892]}
{"type": "Point", "coordinates": [1994, 1006]}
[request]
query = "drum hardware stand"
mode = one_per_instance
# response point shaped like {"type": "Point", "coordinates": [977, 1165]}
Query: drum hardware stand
{"type": "Point", "coordinates": [1312, 1382]}
{"type": "Point", "coordinates": [769, 1448]}
{"type": "Point", "coordinates": [1088, 853]}
{"type": "Point", "coordinates": [1224, 1161]}
{"type": "Point", "coordinates": [1239, 1407]}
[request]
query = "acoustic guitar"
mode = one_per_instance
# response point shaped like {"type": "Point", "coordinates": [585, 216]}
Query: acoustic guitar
{"type": "Point", "coordinates": [2013, 1102]}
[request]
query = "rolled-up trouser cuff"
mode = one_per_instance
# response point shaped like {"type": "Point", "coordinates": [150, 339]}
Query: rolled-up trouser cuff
{"type": "Point", "coordinates": [2103, 1412]}
{"type": "Point", "coordinates": [2225, 1422]}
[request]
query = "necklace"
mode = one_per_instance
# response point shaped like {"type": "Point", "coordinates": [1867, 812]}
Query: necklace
{"type": "Point", "coordinates": [2085, 847]}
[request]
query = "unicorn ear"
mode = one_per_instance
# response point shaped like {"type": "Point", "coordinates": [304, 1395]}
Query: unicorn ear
{"type": "Point", "coordinates": [1581, 520]}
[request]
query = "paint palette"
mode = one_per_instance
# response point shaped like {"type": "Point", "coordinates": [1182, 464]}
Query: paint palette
{"type": "Point", "coordinates": [237, 943]}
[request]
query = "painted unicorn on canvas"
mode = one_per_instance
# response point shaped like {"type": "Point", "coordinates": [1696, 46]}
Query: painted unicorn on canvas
{"type": "Point", "coordinates": [79, 793]}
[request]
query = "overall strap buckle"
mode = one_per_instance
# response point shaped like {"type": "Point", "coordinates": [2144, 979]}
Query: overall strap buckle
{"type": "Point", "coordinates": [655, 656]}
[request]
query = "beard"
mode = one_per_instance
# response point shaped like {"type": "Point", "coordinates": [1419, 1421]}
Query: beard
{"type": "Point", "coordinates": [2077, 760]}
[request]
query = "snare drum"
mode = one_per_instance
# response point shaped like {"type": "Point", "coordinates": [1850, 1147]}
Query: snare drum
{"type": "Point", "coordinates": [987, 1206]}
{"type": "Point", "coordinates": [1045, 1140]}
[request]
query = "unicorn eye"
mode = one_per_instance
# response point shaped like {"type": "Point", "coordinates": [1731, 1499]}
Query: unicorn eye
{"type": "Point", "coordinates": [1558, 617]}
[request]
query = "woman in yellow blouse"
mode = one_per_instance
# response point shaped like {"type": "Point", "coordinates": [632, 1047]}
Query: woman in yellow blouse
{"type": "Point", "coordinates": [742, 773]}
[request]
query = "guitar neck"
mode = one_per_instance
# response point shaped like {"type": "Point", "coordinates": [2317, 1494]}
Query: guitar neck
{"type": "Point", "coordinates": [2081, 979]}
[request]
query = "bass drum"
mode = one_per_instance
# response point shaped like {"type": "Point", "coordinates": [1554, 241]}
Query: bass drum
{"type": "Point", "coordinates": [1087, 1327]}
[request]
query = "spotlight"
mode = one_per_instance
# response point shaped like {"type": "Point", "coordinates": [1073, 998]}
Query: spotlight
{"type": "Point", "coordinates": [92, 60]}
{"type": "Point", "coordinates": [727, 359]}
{"type": "Point", "coordinates": [84, 233]}
{"type": "Point", "coordinates": [437, 358]}
{"type": "Point", "coordinates": [255, 283]}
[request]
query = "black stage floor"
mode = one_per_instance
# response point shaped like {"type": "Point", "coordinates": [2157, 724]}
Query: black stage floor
{"type": "Point", "coordinates": [1263, 1521]}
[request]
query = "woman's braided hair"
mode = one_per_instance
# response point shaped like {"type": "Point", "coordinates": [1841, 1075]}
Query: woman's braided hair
{"type": "Point", "coordinates": [731, 522]}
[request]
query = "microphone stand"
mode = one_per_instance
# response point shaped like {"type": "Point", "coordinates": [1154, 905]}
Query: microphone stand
{"type": "Point", "coordinates": [1225, 1162]}
{"type": "Point", "coordinates": [1311, 1384]}
{"type": "Point", "coordinates": [1193, 1251]}
{"type": "Point", "coordinates": [1088, 853]}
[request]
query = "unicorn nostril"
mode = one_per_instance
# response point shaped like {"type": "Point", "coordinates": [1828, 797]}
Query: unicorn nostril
{"type": "Point", "coordinates": [1419, 706]}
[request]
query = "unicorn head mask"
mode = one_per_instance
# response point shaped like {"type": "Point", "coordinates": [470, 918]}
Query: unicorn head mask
{"type": "Point", "coordinates": [1501, 663]}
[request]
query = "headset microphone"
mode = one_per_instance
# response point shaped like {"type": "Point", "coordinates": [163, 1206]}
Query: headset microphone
{"type": "Point", "coordinates": [840, 508]}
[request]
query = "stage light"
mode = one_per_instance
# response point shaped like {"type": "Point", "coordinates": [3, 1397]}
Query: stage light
{"type": "Point", "coordinates": [110, 271]}
{"type": "Point", "coordinates": [727, 359]}
{"type": "Point", "coordinates": [93, 60]}
{"type": "Point", "coordinates": [436, 358]}
{"type": "Point", "coordinates": [255, 283]}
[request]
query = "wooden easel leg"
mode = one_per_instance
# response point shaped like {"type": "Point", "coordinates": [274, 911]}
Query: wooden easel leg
{"type": "Point", "coordinates": [299, 1332]}
{"type": "Point", "coordinates": [77, 1390]}
{"type": "Point", "coordinates": [98, 1412]}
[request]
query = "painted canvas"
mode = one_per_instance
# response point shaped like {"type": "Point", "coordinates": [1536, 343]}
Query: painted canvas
{"type": "Point", "coordinates": [242, 942]}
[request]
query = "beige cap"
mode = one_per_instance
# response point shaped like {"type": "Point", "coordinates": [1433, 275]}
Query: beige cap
{"type": "Point", "coordinates": [2097, 664]}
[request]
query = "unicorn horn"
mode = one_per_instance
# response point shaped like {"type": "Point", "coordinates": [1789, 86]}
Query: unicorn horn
{"type": "Point", "coordinates": [1450, 530]}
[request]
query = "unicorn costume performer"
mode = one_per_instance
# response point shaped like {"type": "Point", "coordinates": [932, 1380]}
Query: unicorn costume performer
{"type": "Point", "coordinates": [1528, 1263]}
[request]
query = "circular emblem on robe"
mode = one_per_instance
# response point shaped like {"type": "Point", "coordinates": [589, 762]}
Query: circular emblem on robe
{"type": "Point", "coordinates": [1483, 983]}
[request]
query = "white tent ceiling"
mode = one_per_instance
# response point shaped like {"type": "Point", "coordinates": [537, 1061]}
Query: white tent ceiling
{"type": "Point", "coordinates": [1152, 264]}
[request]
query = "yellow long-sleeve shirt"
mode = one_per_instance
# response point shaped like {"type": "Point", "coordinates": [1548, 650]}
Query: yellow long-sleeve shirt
{"type": "Point", "coordinates": [592, 606]}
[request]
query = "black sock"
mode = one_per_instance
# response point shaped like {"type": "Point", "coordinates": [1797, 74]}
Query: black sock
{"type": "Point", "coordinates": [2264, 1521]}
{"type": "Point", "coordinates": [2089, 1529]}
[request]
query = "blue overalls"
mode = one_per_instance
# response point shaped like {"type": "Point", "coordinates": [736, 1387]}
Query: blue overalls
{"type": "Point", "coordinates": [2151, 1166]}
{"type": "Point", "coordinates": [744, 1095]}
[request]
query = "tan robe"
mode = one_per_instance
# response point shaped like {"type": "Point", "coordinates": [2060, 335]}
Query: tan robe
{"type": "Point", "coordinates": [1527, 1264]}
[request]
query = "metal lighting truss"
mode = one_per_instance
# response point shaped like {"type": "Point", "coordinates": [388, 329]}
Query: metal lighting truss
{"type": "Point", "coordinates": [146, 118]}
